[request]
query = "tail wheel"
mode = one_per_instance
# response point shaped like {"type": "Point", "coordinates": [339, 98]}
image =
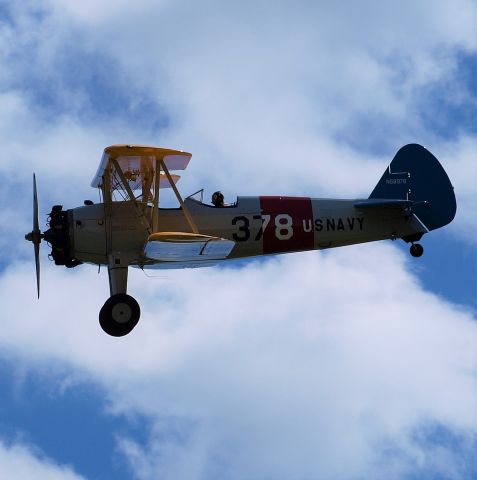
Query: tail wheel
{"type": "Point", "coordinates": [119, 315]}
{"type": "Point", "coordinates": [416, 250]}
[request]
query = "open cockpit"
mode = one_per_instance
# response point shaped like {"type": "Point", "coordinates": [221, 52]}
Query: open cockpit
{"type": "Point", "coordinates": [217, 200]}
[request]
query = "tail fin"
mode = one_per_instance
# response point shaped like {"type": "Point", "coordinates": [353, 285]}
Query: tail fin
{"type": "Point", "coordinates": [416, 175]}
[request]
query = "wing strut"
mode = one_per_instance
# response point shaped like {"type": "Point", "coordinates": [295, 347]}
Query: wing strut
{"type": "Point", "coordinates": [155, 205]}
{"type": "Point", "coordinates": [187, 214]}
{"type": "Point", "coordinates": [125, 183]}
{"type": "Point", "coordinates": [108, 207]}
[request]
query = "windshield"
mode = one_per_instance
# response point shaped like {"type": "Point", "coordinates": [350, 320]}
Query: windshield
{"type": "Point", "coordinates": [197, 196]}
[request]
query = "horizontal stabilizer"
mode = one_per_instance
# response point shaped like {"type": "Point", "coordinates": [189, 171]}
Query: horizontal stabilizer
{"type": "Point", "coordinates": [186, 247]}
{"type": "Point", "coordinates": [387, 203]}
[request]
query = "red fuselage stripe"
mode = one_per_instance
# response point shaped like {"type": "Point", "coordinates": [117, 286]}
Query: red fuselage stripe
{"type": "Point", "coordinates": [288, 219]}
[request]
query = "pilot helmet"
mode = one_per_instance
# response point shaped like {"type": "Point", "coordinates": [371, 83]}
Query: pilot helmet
{"type": "Point", "coordinates": [217, 198]}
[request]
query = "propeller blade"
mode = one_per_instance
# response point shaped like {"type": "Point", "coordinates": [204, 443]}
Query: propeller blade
{"type": "Point", "coordinates": [37, 265]}
{"type": "Point", "coordinates": [36, 226]}
{"type": "Point", "coordinates": [35, 235]}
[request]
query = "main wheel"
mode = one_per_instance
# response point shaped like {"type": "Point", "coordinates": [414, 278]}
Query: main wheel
{"type": "Point", "coordinates": [119, 315]}
{"type": "Point", "coordinates": [416, 250]}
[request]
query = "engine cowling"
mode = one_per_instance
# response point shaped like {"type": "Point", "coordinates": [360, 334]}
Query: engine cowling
{"type": "Point", "coordinates": [58, 236]}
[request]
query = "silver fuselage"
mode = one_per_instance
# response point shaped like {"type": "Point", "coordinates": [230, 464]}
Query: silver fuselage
{"type": "Point", "coordinates": [258, 225]}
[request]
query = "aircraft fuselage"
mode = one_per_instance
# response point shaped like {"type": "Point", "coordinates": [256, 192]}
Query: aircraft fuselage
{"type": "Point", "coordinates": [258, 225]}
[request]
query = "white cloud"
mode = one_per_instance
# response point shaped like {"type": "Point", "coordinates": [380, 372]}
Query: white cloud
{"type": "Point", "coordinates": [258, 94]}
{"type": "Point", "coordinates": [341, 352]}
{"type": "Point", "coordinates": [462, 169]}
{"type": "Point", "coordinates": [262, 94]}
{"type": "Point", "coordinates": [276, 369]}
{"type": "Point", "coordinates": [24, 463]}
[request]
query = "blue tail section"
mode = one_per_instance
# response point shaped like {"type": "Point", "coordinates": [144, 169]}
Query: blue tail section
{"type": "Point", "coordinates": [416, 175]}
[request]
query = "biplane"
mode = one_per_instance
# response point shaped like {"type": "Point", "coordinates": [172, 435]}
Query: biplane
{"type": "Point", "coordinates": [129, 228]}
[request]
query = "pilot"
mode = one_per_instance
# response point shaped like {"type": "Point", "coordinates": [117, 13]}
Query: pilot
{"type": "Point", "coordinates": [218, 199]}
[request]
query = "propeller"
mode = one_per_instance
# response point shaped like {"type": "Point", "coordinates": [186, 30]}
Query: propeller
{"type": "Point", "coordinates": [35, 236]}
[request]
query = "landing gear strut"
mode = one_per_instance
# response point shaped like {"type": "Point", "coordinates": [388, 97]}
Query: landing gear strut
{"type": "Point", "coordinates": [121, 312]}
{"type": "Point", "coordinates": [416, 250]}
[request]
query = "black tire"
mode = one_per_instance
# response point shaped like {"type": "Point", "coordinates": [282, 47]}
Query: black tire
{"type": "Point", "coordinates": [119, 315]}
{"type": "Point", "coordinates": [416, 250]}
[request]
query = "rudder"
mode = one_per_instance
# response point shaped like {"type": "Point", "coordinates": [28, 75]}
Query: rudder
{"type": "Point", "coordinates": [415, 174]}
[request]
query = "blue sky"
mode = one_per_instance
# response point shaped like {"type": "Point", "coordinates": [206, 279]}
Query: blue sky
{"type": "Point", "coordinates": [275, 368]}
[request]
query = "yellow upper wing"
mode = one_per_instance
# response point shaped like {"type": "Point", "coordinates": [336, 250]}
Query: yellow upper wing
{"type": "Point", "coordinates": [138, 162]}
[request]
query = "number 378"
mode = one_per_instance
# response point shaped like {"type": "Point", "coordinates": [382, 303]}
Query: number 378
{"type": "Point", "coordinates": [283, 227]}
